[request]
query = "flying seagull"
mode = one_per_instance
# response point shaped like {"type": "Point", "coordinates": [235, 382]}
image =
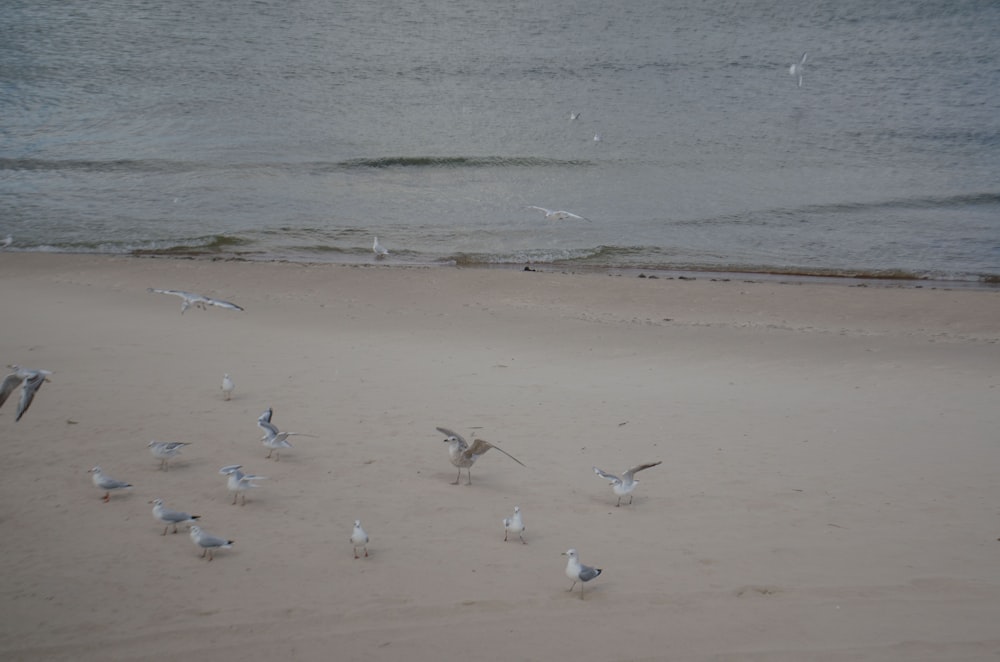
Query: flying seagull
{"type": "Point", "coordinates": [208, 542]}
{"type": "Point", "coordinates": [107, 483]}
{"type": "Point", "coordinates": [359, 538]}
{"type": "Point", "coordinates": [197, 300]}
{"type": "Point", "coordinates": [796, 69]}
{"type": "Point", "coordinates": [171, 517]}
{"type": "Point", "coordinates": [239, 482]}
{"type": "Point", "coordinates": [626, 484]}
{"type": "Point", "coordinates": [29, 380]}
{"type": "Point", "coordinates": [164, 450]}
{"type": "Point", "coordinates": [558, 214]}
{"type": "Point", "coordinates": [464, 456]}
{"type": "Point", "coordinates": [514, 524]}
{"type": "Point", "coordinates": [579, 572]}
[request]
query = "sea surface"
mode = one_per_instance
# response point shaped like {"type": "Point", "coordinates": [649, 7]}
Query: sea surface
{"type": "Point", "coordinates": [301, 129]}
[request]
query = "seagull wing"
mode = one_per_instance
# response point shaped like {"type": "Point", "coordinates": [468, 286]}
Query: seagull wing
{"type": "Point", "coordinates": [605, 475]}
{"type": "Point", "coordinates": [28, 390]}
{"type": "Point", "coordinates": [448, 433]}
{"type": "Point", "coordinates": [269, 429]}
{"type": "Point", "coordinates": [541, 209]}
{"type": "Point", "coordinates": [229, 468]}
{"type": "Point", "coordinates": [480, 446]}
{"type": "Point", "coordinates": [10, 382]}
{"type": "Point", "coordinates": [634, 470]}
{"type": "Point", "coordinates": [176, 293]}
{"type": "Point", "coordinates": [221, 304]}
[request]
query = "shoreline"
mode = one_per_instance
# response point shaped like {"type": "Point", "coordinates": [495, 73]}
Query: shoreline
{"type": "Point", "coordinates": [828, 487]}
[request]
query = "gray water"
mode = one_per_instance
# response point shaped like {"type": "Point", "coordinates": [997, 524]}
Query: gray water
{"type": "Point", "coordinates": [298, 130]}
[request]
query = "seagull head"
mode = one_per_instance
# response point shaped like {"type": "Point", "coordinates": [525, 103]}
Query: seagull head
{"type": "Point", "coordinates": [570, 553]}
{"type": "Point", "coordinates": [357, 524]}
{"type": "Point", "coordinates": [95, 470]}
{"type": "Point", "coordinates": [517, 509]}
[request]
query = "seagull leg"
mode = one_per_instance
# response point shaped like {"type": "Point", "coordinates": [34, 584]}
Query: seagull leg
{"type": "Point", "coordinates": [459, 476]}
{"type": "Point", "coordinates": [630, 499]}
{"type": "Point", "coordinates": [469, 482]}
{"type": "Point", "coordinates": [356, 552]}
{"type": "Point", "coordinates": [203, 551]}
{"type": "Point", "coordinates": [236, 495]}
{"type": "Point", "coordinates": [209, 555]}
{"type": "Point", "coordinates": [571, 587]}
{"type": "Point", "coordinates": [175, 528]}
{"type": "Point", "coordinates": [618, 505]}
{"type": "Point", "coordinates": [107, 497]}
{"type": "Point", "coordinates": [268, 456]}
{"type": "Point", "coordinates": [165, 530]}
{"type": "Point", "coordinates": [523, 542]}
{"type": "Point", "coordinates": [244, 502]}
{"type": "Point", "coordinates": [581, 591]}
{"type": "Point", "coordinates": [505, 536]}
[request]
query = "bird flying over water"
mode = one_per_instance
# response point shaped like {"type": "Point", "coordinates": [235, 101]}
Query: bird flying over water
{"type": "Point", "coordinates": [464, 456]}
{"type": "Point", "coordinates": [189, 299]}
{"type": "Point", "coordinates": [626, 484]}
{"type": "Point", "coordinates": [29, 380]}
{"type": "Point", "coordinates": [796, 69]}
{"type": "Point", "coordinates": [558, 214]}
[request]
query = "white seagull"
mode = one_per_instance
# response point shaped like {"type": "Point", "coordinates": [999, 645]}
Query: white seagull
{"type": "Point", "coordinates": [208, 542]}
{"type": "Point", "coordinates": [227, 386]}
{"type": "Point", "coordinates": [29, 380]}
{"type": "Point", "coordinates": [379, 249]}
{"type": "Point", "coordinates": [796, 69]}
{"type": "Point", "coordinates": [464, 456]}
{"type": "Point", "coordinates": [626, 484]}
{"type": "Point", "coordinates": [164, 450]}
{"type": "Point", "coordinates": [514, 524]}
{"type": "Point", "coordinates": [273, 438]}
{"type": "Point", "coordinates": [171, 517]}
{"type": "Point", "coordinates": [579, 572]}
{"type": "Point", "coordinates": [239, 482]}
{"type": "Point", "coordinates": [107, 483]}
{"type": "Point", "coordinates": [7, 242]}
{"type": "Point", "coordinates": [574, 116]}
{"type": "Point", "coordinates": [558, 214]}
{"type": "Point", "coordinates": [197, 300]}
{"type": "Point", "coordinates": [359, 538]}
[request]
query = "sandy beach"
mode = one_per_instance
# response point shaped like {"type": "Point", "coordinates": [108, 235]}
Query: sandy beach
{"type": "Point", "coordinates": [828, 487]}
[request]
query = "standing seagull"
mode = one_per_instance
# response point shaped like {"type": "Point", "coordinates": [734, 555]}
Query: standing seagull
{"type": "Point", "coordinates": [796, 69]}
{"type": "Point", "coordinates": [7, 242]}
{"type": "Point", "coordinates": [164, 450]}
{"type": "Point", "coordinates": [239, 482]}
{"type": "Point", "coordinates": [189, 299]}
{"type": "Point", "coordinates": [227, 386]}
{"type": "Point", "coordinates": [208, 542]}
{"type": "Point", "coordinates": [359, 539]}
{"type": "Point", "coordinates": [514, 524]}
{"type": "Point", "coordinates": [464, 456]}
{"type": "Point", "coordinates": [558, 214]}
{"type": "Point", "coordinates": [171, 517]}
{"type": "Point", "coordinates": [379, 249]}
{"type": "Point", "coordinates": [626, 484]}
{"type": "Point", "coordinates": [107, 483]}
{"type": "Point", "coordinates": [579, 572]}
{"type": "Point", "coordinates": [29, 380]}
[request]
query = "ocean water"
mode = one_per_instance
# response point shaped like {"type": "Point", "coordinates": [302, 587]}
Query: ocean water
{"type": "Point", "coordinates": [301, 129]}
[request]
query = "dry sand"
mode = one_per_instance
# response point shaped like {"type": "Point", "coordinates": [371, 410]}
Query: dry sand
{"type": "Point", "coordinates": [829, 487]}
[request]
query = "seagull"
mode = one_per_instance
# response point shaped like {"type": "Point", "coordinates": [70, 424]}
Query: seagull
{"type": "Point", "coordinates": [574, 116]}
{"type": "Point", "coordinates": [239, 482]}
{"type": "Point", "coordinates": [227, 386]}
{"type": "Point", "coordinates": [273, 438]}
{"type": "Point", "coordinates": [558, 214]}
{"type": "Point", "coordinates": [514, 524]}
{"type": "Point", "coordinates": [265, 416]}
{"type": "Point", "coordinates": [29, 380]}
{"type": "Point", "coordinates": [464, 456]}
{"type": "Point", "coordinates": [164, 450]}
{"type": "Point", "coordinates": [107, 483]}
{"type": "Point", "coordinates": [796, 69]}
{"type": "Point", "coordinates": [171, 517]}
{"type": "Point", "coordinates": [597, 138]}
{"type": "Point", "coordinates": [359, 539]}
{"type": "Point", "coordinates": [380, 250]}
{"type": "Point", "coordinates": [579, 572]}
{"type": "Point", "coordinates": [8, 240]}
{"type": "Point", "coordinates": [197, 300]}
{"type": "Point", "coordinates": [208, 542]}
{"type": "Point", "coordinates": [626, 484]}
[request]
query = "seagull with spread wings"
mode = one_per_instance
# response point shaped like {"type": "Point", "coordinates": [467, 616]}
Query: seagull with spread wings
{"type": "Point", "coordinates": [464, 456]}
{"type": "Point", "coordinates": [626, 484]}
{"type": "Point", "coordinates": [189, 299]}
{"type": "Point", "coordinates": [29, 380]}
